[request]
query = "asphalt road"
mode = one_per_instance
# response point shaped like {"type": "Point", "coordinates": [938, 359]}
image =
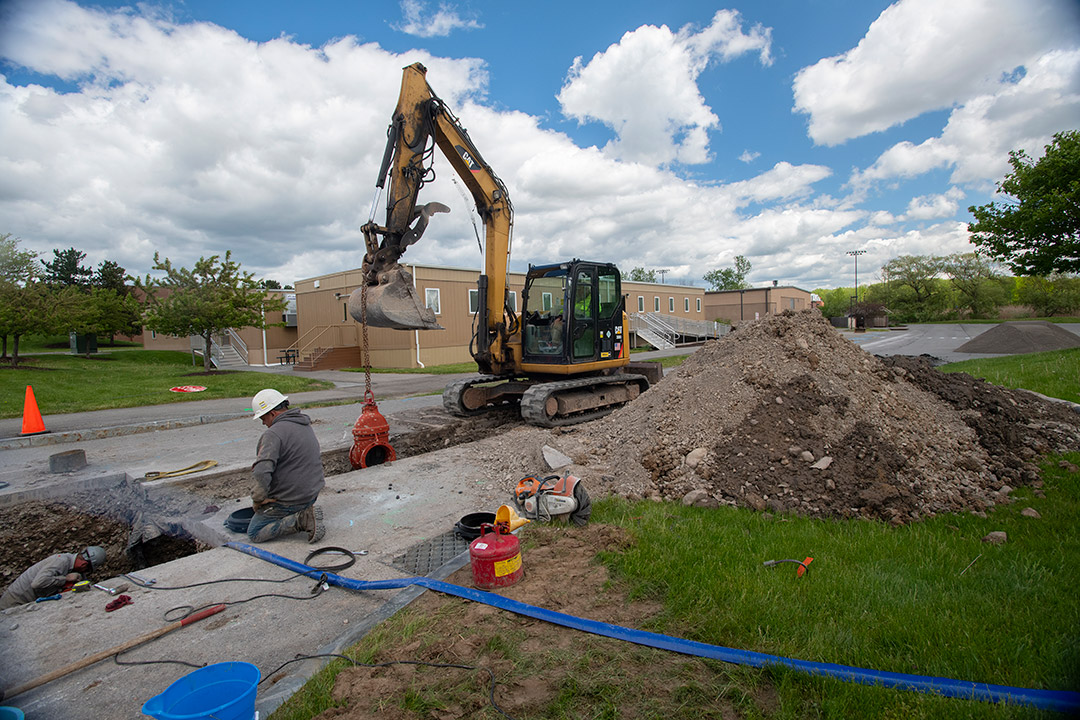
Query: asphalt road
{"type": "Point", "coordinates": [939, 341]}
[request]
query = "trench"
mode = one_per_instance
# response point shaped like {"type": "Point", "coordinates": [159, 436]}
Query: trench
{"type": "Point", "coordinates": [146, 525]}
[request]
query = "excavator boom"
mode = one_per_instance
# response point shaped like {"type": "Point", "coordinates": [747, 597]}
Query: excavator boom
{"type": "Point", "coordinates": [419, 120]}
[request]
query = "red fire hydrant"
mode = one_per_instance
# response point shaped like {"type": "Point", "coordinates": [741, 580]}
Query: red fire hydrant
{"type": "Point", "coordinates": [371, 438]}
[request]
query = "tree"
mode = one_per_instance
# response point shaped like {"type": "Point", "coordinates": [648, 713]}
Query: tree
{"type": "Point", "coordinates": [111, 276]}
{"type": "Point", "coordinates": [270, 284]}
{"type": "Point", "coordinates": [640, 274]}
{"type": "Point", "coordinates": [1037, 232]}
{"type": "Point", "coordinates": [1049, 295]}
{"type": "Point", "coordinates": [835, 303]}
{"type": "Point", "coordinates": [974, 278]}
{"type": "Point", "coordinates": [733, 278]}
{"type": "Point", "coordinates": [66, 269]}
{"type": "Point", "coordinates": [914, 290]}
{"type": "Point", "coordinates": [17, 269]}
{"type": "Point", "coordinates": [211, 297]}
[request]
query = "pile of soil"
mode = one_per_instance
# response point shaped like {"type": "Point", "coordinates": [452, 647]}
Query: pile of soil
{"type": "Point", "coordinates": [1021, 337]}
{"type": "Point", "coordinates": [789, 416]}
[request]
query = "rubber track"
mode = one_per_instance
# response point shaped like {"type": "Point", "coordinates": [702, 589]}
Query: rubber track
{"type": "Point", "coordinates": [535, 398]}
{"type": "Point", "coordinates": [452, 393]}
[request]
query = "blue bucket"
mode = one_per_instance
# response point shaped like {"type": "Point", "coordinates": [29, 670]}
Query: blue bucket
{"type": "Point", "coordinates": [10, 713]}
{"type": "Point", "coordinates": [225, 691]}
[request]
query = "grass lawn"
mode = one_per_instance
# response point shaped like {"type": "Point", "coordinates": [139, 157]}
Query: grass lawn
{"type": "Point", "coordinates": [1055, 373]}
{"type": "Point", "coordinates": [127, 378]}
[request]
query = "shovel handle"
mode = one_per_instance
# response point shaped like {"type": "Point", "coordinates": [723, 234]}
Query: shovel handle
{"type": "Point", "coordinates": [204, 613]}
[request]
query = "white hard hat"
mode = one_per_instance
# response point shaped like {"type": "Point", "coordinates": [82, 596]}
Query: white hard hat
{"type": "Point", "coordinates": [95, 556]}
{"type": "Point", "coordinates": [265, 401]}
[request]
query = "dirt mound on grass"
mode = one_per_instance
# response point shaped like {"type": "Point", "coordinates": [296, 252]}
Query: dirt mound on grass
{"type": "Point", "coordinates": [787, 415]}
{"type": "Point", "coordinates": [1021, 337]}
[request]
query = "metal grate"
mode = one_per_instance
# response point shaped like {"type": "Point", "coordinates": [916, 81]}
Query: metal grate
{"type": "Point", "coordinates": [428, 556]}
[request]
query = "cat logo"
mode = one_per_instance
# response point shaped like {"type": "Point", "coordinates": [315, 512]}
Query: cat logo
{"type": "Point", "coordinates": [468, 158]}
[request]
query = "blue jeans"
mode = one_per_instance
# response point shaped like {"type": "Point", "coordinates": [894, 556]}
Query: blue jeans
{"type": "Point", "coordinates": [274, 520]}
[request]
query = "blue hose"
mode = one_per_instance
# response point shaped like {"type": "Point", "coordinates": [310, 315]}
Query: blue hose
{"type": "Point", "coordinates": [1056, 700]}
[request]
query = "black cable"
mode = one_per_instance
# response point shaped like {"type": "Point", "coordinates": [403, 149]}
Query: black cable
{"type": "Point", "coordinates": [357, 663]}
{"type": "Point", "coordinates": [118, 661]}
{"type": "Point", "coordinates": [331, 549]}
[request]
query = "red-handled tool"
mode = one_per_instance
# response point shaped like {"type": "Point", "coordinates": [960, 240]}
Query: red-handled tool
{"type": "Point", "coordinates": [147, 637]}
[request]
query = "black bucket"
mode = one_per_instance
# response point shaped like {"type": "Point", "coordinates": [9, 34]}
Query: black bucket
{"type": "Point", "coordinates": [468, 527]}
{"type": "Point", "coordinates": [238, 522]}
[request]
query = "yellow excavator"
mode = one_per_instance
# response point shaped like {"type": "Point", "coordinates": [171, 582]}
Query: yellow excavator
{"type": "Point", "coordinates": [565, 357]}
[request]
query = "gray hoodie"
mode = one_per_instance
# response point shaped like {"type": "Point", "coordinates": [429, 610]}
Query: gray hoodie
{"type": "Point", "coordinates": [289, 465]}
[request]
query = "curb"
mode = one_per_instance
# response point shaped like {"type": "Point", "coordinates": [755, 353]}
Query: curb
{"type": "Point", "coordinates": [114, 431]}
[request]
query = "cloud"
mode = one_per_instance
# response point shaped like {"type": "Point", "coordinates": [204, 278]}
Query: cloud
{"type": "Point", "coordinates": [645, 88]}
{"type": "Point", "coordinates": [421, 23]}
{"type": "Point", "coordinates": [976, 141]}
{"type": "Point", "coordinates": [927, 207]}
{"type": "Point", "coordinates": [749, 157]}
{"type": "Point", "coordinates": [924, 55]}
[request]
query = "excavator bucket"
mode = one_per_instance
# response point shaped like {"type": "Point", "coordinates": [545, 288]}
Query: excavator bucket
{"type": "Point", "coordinates": [393, 303]}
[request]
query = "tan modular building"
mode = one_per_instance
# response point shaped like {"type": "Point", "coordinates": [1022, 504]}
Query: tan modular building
{"type": "Point", "coordinates": [328, 336]}
{"type": "Point", "coordinates": [736, 306]}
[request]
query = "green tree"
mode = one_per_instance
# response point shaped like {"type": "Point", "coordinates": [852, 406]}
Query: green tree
{"type": "Point", "coordinates": [112, 276]}
{"type": "Point", "coordinates": [732, 278]}
{"type": "Point", "coordinates": [1049, 295]}
{"type": "Point", "coordinates": [67, 269]}
{"type": "Point", "coordinates": [215, 295]}
{"type": "Point", "coordinates": [17, 269]}
{"type": "Point", "coordinates": [640, 274]}
{"type": "Point", "coordinates": [1037, 231]}
{"type": "Point", "coordinates": [836, 302]}
{"type": "Point", "coordinates": [976, 282]}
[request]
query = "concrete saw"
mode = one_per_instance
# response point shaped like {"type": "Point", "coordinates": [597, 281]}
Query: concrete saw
{"type": "Point", "coordinates": [553, 497]}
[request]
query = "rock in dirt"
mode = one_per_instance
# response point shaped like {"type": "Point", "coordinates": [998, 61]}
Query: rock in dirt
{"type": "Point", "coordinates": [998, 537]}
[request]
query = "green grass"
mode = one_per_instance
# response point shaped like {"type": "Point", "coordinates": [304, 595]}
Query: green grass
{"type": "Point", "coordinates": [128, 378]}
{"type": "Point", "coordinates": [1055, 373]}
{"type": "Point", "coordinates": [929, 598]}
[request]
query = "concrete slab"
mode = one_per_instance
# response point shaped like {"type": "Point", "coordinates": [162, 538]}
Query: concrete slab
{"type": "Point", "coordinates": [384, 509]}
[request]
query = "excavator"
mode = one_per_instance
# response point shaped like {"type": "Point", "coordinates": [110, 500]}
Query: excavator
{"type": "Point", "coordinates": [565, 357]}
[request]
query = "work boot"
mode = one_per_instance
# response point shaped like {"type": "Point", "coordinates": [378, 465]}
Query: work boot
{"type": "Point", "coordinates": [310, 520]}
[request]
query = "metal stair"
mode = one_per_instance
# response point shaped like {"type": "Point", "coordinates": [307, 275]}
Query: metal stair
{"type": "Point", "coordinates": [666, 331]}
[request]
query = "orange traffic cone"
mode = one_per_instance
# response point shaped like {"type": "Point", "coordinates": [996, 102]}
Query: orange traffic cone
{"type": "Point", "coordinates": [32, 424]}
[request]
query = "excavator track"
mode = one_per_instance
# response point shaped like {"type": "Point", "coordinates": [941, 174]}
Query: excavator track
{"type": "Point", "coordinates": [569, 402]}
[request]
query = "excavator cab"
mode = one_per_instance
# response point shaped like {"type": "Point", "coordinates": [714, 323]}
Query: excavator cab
{"type": "Point", "coordinates": [572, 313]}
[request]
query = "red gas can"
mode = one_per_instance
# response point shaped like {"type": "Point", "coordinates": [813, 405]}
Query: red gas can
{"type": "Point", "coordinates": [496, 558]}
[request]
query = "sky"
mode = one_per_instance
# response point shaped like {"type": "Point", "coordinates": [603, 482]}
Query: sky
{"type": "Point", "coordinates": [670, 136]}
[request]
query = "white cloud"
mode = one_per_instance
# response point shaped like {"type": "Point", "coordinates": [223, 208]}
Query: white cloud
{"type": "Point", "coordinates": [929, 207]}
{"type": "Point", "coordinates": [749, 157]}
{"type": "Point", "coordinates": [923, 55]}
{"type": "Point", "coordinates": [978, 137]}
{"type": "Point", "coordinates": [645, 88]}
{"type": "Point", "coordinates": [422, 23]}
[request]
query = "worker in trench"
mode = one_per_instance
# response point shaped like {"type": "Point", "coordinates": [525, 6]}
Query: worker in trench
{"type": "Point", "coordinates": [52, 575]}
{"type": "Point", "coordinates": [288, 472]}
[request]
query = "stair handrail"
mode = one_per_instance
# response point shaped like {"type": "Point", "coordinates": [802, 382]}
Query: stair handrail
{"type": "Point", "coordinates": [237, 344]}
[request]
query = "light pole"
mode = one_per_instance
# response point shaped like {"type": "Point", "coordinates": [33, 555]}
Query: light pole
{"type": "Point", "coordinates": [856, 253]}
{"type": "Point", "coordinates": [662, 274]}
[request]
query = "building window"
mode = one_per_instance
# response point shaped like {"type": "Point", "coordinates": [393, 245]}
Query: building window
{"type": "Point", "coordinates": [474, 301]}
{"type": "Point", "coordinates": [699, 304]}
{"type": "Point", "coordinates": [686, 304]}
{"type": "Point", "coordinates": [671, 304]}
{"type": "Point", "coordinates": [545, 301]}
{"type": "Point", "coordinates": [431, 300]}
{"type": "Point", "coordinates": [656, 303]}
{"type": "Point", "coordinates": [641, 303]}
{"type": "Point", "coordinates": [345, 311]}
{"type": "Point", "coordinates": [513, 300]}
{"type": "Point", "coordinates": [792, 303]}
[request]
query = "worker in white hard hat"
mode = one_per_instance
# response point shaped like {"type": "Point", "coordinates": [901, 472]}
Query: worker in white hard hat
{"type": "Point", "coordinates": [51, 576]}
{"type": "Point", "coordinates": [288, 472]}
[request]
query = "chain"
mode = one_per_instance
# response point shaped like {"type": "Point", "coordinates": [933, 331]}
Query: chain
{"type": "Point", "coordinates": [365, 356]}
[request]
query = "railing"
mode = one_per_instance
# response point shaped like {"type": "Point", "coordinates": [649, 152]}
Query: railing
{"type": "Point", "coordinates": [237, 343]}
{"type": "Point", "coordinates": [325, 336]}
{"type": "Point", "coordinates": [671, 328]}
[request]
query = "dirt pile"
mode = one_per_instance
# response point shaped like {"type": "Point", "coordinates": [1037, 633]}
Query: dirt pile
{"type": "Point", "coordinates": [787, 415]}
{"type": "Point", "coordinates": [1021, 337]}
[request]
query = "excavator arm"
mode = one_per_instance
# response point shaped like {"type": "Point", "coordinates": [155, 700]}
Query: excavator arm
{"type": "Point", "coordinates": [420, 122]}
